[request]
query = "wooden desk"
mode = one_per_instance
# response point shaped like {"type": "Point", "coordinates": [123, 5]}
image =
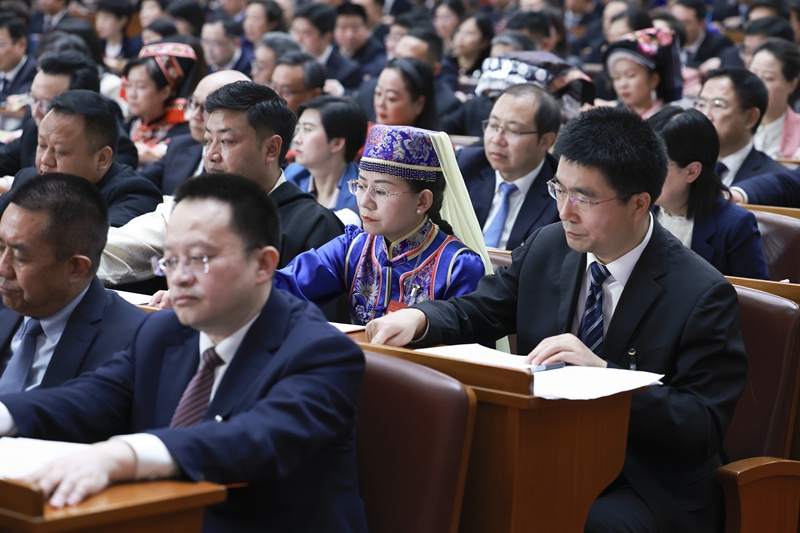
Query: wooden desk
{"type": "Point", "coordinates": [536, 465]}
{"type": "Point", "coordinates": [152, 507]}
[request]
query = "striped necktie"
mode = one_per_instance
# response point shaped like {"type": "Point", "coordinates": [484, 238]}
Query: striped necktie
{"type": "Point", "coordinates": [19, 366]}
{"type": "Point", "coordinates": [591, 328]}
{"type": "Point", "coordinates": [197, 396]}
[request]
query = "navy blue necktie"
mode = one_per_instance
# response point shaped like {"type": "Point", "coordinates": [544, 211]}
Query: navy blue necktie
{"type": "Point", "coordinates": [19, 366]}
{"type": "Point", "coordinates": [591, 329]}
{"type": "Point", "coordinates": [720, 169]}
{"type": "Point", "coordinates": [495, 230]}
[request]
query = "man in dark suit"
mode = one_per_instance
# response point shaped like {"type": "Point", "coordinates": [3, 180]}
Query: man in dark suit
{"type": "Point", "coordinates": [221, 40]}
{"type": "Point", "coordinates": [241, 384]}
{"type": "Point", "coordinates": [353, 39]}
{"type": "Point", "coordinates": [611, 278]}
{"type": "Point", "coordinates": [298, 77]}
{"type": "Point", "coordinates": [778, 189]}
{"type": "Point", "coordinates": [507, 177]}
{"type": "Point", "coordinates": [425, 45]}
{"type": "Point", "coordinates": [184, 157]}
{"type": "Point", "coordinates": [47, 16]}
{"type": "Point", "coordinates": [312, 27]}
{"type": "Point", "coordinates": [56, 321]}
{"type": "Point", "coordinates": [79, 136]}
{"type": "Point", "coordinates": [702, 45]}
{"type": "Point", "coordinates": [17, 68]}
{"type": "Point", "coordinates": [58, 72]}
{"type": "Point", "coordinates": [735, 100]}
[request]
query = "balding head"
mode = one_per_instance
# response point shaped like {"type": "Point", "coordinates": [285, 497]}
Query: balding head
{"type": "Point", "coordinates": [195, 114]}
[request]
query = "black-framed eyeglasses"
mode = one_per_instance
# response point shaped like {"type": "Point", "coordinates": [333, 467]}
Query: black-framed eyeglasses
{"type": "Point", "coordinates": [495, 128]}
{"type": "Point", "coordinates": [577, 201]}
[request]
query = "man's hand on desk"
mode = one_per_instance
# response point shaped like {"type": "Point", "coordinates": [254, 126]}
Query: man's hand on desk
{"type": "Point", "coordinates": [160, 300]}
{"type": "Point", "coordinates": [398, 328]}
{"type": "Point", "coordinates": [73, 478]}
{"type": "Point", "coordinates": [567, 348]}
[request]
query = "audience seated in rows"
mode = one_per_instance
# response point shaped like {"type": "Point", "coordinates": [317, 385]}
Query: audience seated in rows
{"type": "Point", "coordinates": [354, 41]}
{"type": "Point", "coordinates": [222, 45]}
{"type": "Point", "coordinates": [297, 78]}
{"type": "Point", "coordinates": [17, 68]}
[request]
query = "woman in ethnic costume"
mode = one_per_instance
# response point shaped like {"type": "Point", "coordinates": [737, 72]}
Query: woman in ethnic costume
{"type": "Point", "coordinates": [156, 85]}
{"type": "Point", "coordinates": [406, 252]}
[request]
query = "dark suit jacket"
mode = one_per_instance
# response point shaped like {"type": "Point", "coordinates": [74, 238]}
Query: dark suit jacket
{"type": "Point", "coordinates": [755, 164]}
{"type": "Point", "coordinates": [101, 324]}
{"type": "Point", "coordinates": [287, 403]}
{"type": "Point", "coordinates": [305, 224]}
{"type": "Point", "coordinates": [23, 79]}
{"type": "Point", "coordinates": [677, 312]}
{"type": "Point", "coordinates": [21, 152]}
{"type": "Point", "coordinates": [538, 208]}
{"type": "Point", "coordinates": [371, 57]}
{"type": "Point", "coordinates": [729, 239]}
{"type": "Point", "coordinates": [130, 46]}
{"type": "Point", "coordinates": [716, 45]}
{"type": "Point", "coordinates": [126, 194]}
{"type": "Point", "coordinates": [179, 163]}
{"type": "Point", "coordinates": [347, 71]}
{"type": "Point", "coordinates": [467, 118]}
{"type": "Point", "coordinates": [446, 102]}
{"type": "Point", "coordinates": [779, 189]}
{"type": "Point", "coordinates": [37, 22]}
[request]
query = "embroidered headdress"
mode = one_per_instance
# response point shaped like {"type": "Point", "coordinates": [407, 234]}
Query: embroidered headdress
{"type": "Point", "coordinates": [401, 151]}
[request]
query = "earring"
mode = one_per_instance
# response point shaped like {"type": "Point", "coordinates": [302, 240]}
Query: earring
{"type": "Point", "coordinates": [419, 211]}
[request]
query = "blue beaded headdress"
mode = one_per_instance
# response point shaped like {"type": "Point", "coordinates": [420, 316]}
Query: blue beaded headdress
{"type": "Point", "coordinates": [400, 151]}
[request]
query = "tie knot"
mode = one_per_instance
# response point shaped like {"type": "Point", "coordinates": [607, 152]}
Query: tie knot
{"type": "Point", "coordinates": [33, 328]}
{"type": "Point", "coordinates": [211, 360]}
{"type": "Point", "coordinates": [599, 273]}
{"type": "Point", "coordinates": [508, 188]}
{"type": "Point", "coordinates": [720, 168]}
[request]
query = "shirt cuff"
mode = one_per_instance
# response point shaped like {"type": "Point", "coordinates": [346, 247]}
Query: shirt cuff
{"type": "Point", "coordinates": [153, 459]}
{"type": "Point", "coordinates": [744, 194]}
{"type": "Point", "coordinates": [8, 428]}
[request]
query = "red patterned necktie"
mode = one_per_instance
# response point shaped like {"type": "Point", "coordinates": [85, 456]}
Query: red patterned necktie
{"type": "Point", "coordinates": [194, 402]}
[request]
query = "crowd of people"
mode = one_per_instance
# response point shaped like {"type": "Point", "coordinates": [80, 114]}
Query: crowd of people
{"type": "Point", "coordinates": [276, 164]}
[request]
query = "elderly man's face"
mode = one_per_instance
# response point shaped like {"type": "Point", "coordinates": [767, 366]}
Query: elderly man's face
{"type": "Point", "coordinates": [64, 146]}
{"type": "Point", "coordinates": [32, 281]}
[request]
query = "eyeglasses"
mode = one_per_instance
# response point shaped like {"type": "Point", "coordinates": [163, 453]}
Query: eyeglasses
{"type": "Point", "coordinates": [192, 106]}
{"type": "Point", "coordinates": [286, 91]}
{"type": "Point", "coordinates": [578, 202]}
{"type": "Point", "coordinates": [36, 103]}
{"type": "Point", "coordinates": [256, 67]}
{"type": "Point", "coordinates": [214, 44]}
{"type": "Point", "coordinates": [717, 104]}
{"type": "Point", "coordinates": [510, 134]}
{"type": "Point", "coordinates": [196, 264]}
{"type": "Point", "coordinates": [376, 192]}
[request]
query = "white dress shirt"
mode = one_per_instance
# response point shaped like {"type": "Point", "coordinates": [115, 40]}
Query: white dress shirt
{"type": "Point", "coordinates": [8, 77]}
{"type": "Point", "coordinates": [613, 286]}
{"type": "Point", "coordinates": [515, 202]}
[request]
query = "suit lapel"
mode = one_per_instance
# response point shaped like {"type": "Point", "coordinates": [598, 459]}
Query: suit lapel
{"type": "Point", "coordinates": [77, 337]}
{"type": "Point", "coordinates": [9, 322]}
{"type": "Point", "coordinates": [484, 192]}
{"type": "Point", "coordinates": [537, 204]}
{"type": "Point", "coordinates": [638, 296]}
{"type": "Point", "coordinates": [571, 276]}
{"type": "Point", "coordinates": [702, 233]}
{"type": "Point", "coordinates": [180, 363]}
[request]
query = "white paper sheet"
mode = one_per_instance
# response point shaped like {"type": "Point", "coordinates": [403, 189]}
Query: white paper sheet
{"type": "Point", "coordinates": [346, 328]}
{"type": "Point", "coordinates": [133, 297]}
{"type": "Point", "coordinates": [571, 383]}
{"type": "Point", "coordinates": [23, 456]}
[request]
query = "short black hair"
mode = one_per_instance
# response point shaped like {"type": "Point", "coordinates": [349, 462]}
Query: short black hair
{"type": "Point", "coordinates": [78, 221]}
{"type": "Point", "coordinates": [118, 8]}
{"type": "Point", "coordinates": [15, 26]}
{"type": "Point", "coordinates": [163, 27]}
{"type": "Point", "coordinates": [456, 6]}
{"type": "Point", "coordinates": [59, 41]}
{"type": "Point", "coordinates": [636, 18]}
{"type": "Point", "coordinates": [340, 118]}
{"type": "Point", "coordinates": [348, 9]}
{"type": "Point", "coordinates": [698, 6]}
{"type": "Point", "coordinates": [279, 42]}
{"type": "Point", "coordinates": [190, 11]}
{"type": "Point", "coordinates": [779, 6]}
{"type": "Point", "coordinates": [690, 136]}
{"type": "Point", "coordinates": [413, 19]}
{"type": "Point", "coordinates": [80, 68]}
{"type": "Point", "coordinates": [267, 113]}
{"type": "Point", "coordinates": [771, 27]}
{"type": "Point", "coordinates": [321, 16]}
{"type": "Point", "coordinates": [254, 215]}
{"type": "Point", "coordinates": [548, 114]}
{"type": "Point", "coordinates": [621, 146]}
{"type": "Point", "coordinates": [516, 39]}
{"type": "Point", "coordinates": [749, 89]}
{"type": "Point", "coordinates": [100, 121]}
{"type": "Point", "coordinates": [787, 53]}
{"type": "Point", "coordinates": [231, 28]}
{"type": "Point", "coordinates": [429, 36]}
{"type": "Point", "coordinates": [313, 71]}
{"type": "Point", "coordinates": [273, 12]}
{"type": "Point", "coordinates": [85, 30]}
{"type": "Point", "coordinates": [534, 22]}
{"type": "Point", "coordinates": [163, 4]}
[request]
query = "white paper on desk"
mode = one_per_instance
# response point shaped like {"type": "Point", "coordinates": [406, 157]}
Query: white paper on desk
{"type": "Point", "coordinates": [588, 383]}
{"type": "Point", "coordinates": [22, 456]}
{"type": "Point", "coordinates": [347, 328]}
{"type": "Point", "coordinates": [476, 353]}
{"type": "Point", "coordinates": [133, 297]}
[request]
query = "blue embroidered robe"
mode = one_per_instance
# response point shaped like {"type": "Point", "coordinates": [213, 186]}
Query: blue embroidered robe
{"type": "Point", "coordinates": [427, 264]}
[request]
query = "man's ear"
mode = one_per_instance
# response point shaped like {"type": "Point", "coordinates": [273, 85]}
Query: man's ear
{"type": "Point", "coordinates": [104, 157]}
{"type": "Point", "coordinates": [79, 266]}
{"type": "Point", "coordinates": [268, 259]}
{"type": "Point", "coordinates": [272, 148]}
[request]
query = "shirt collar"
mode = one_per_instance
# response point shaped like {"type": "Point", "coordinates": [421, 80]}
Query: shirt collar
{"type": "Point", "coordinates": [11, 74]}
{"type": "Point", "coordinates": [236, 56]}
{"type": "Point", "coordinates": [281, 180]}
{"type": "Point", "coordinates": [228, 346]}
{"type": "Point", "coordinates": [622, 267]}
{"type": "Point", "coordinates": [54, 325]}
{"type": "Point", "coordinates": [323, 58]}
{"type": "Point", "coordinates": [524, 183]}
{"type": "Point", "coordinates": [734, 161]}
{"type": "Point", "coordinates": [694, 47]}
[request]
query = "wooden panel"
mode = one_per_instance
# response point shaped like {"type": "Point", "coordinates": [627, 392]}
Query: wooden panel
{"type": "Point", "coordinates": [786, 211]}
{"type": "Point", "coordinates": [790, 291]}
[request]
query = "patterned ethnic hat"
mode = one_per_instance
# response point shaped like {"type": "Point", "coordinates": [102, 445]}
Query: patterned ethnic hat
{"type": "Point", "coordinates": [401, 151]}
{"type": "Point", "coordinates": [171, 59]}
